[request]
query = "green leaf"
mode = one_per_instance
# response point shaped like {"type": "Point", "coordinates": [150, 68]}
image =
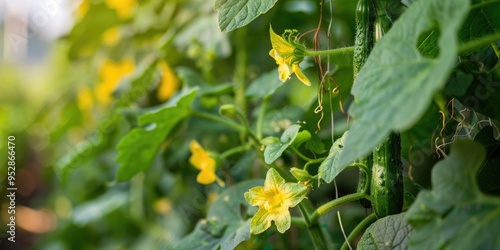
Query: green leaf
{"type": "Point", "coordinates": [390, 232]}
{"type": "Point", "coordinates": [224, 226]}
{"type": "Point", "coordinates": [234, 14]}
{"type": "Point", "coordinates": [455, 214]}
{"type": "Point", "coordinates": [302, 136]}
{"type": "Point", "coordinates": [275, 150]}
{"type": "Point", "coordinates": [489, 175]}
{"type": "Point", "coordinates": [393, 93]}
{"type": "Point", "coordinates": [265, 85]}
{"type": "Point", "coordinates": [137, 149]}
{"type": "Point", "coordinates": [329, 168]}
{"type": "Point", "coordinates": [482, 21]}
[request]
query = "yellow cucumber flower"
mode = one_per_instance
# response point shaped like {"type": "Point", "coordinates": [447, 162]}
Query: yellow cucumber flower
{"type": "Point", "coordinates": [110, 74]}
{"type": "Point", "coordinates": [123, 7]}
{"type": "Point", "coordinates": [206, 164]}
{"type": "Point", "coordinates": [169, 82]}
{"type": "Point", "coordinates": [274, 199]}
{"type": "Point", "coordinates": [288, 53]}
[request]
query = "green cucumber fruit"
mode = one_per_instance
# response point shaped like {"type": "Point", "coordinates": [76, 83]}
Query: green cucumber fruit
{"type": "Point", "coordinates": [387, 177]}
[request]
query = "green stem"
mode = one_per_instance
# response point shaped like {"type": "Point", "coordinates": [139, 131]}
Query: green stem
{"type": "Point", "coordinates": [301, 155]}
{"type": "Point", "coordinates": [313, 162]}
{"type": "Point", "coordinates": [334, 203]}
{"type": "Point", "coordinates": [241, 67]}
{"type": "Point", "coordinates": [235, 150]}
{"type": "Point", "coordinates": [483, 4]}
{"type": "Point", "coordinates": [317, 236]}
{"type": "Point", "coordinates": [358, 229]}
{"type": "Point", "coordinates": [260, 119]}
{"type": "Point", "coordinates": [299, 221]}
{"type": "Point", "coordinates": [226, 122]}
{"type": "Point", "coordinates": [218, 119]}
{"type": "Point", "coordinates": [332, 52]}
{"type": "Point", "coordinates": [469, 46]}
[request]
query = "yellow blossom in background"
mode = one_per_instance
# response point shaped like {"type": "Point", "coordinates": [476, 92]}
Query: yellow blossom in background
{"type": "Point", "coordinates": [123, 7]}
{"type": "Point", "coordinates": [111, 36]}
{"type": "Point", "coordinates": [111, 72]}
{"type": "Point", "coordinates": [274, 199]}
{"type": "Point", "coordinates": [85, 99]}
{"type": "Point", "coordinates": [206, 164]}
{"type": "Point", "coordinates": [169, 82]}
{"type": "Point", "coordinates": [83, 8]}
{"type": "Point", "coordinates": [288, 55]}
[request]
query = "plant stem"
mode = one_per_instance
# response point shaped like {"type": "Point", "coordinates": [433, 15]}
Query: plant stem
{"type": "Point", "coordinates": [334, 203]}
{"type": "Point", "coordinates": [313, 162]}
{"type": "Point", "coordinates": [359, 228]}
{"type": "Point", "coordinates": [300, 222]}
{"type": "Point", "coordinates": [218, 119]}
{"type": "Point", "coordinates": [241, 67]}
{"type": "Point", "coordinates": [332, 52]}
{"type": "Point", "coordinates": [300, 154]}
{"type": "Point", "coordinates": [226, 122]}
{"type": "Point", "coordinates": [235, 150]}
{"type": "Point", "coordinates": [469, 46]}
{"type": "Point", "coordinates": [260, 119]}
{"type": "Point", "coordinates": [317, 236]}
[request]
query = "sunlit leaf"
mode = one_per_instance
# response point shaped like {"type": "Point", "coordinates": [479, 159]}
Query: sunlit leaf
{"type": "Point", "coordinates": [274, 150]}
{"type": "Point", "coordinates": [329, 168]}
{"type": "Point", "coordinates": [234, 14]}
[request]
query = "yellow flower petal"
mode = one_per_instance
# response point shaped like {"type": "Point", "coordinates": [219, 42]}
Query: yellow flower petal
{"type": "Point", "coordinates": [123, 7]}
{"type": "Point", "coordinates": [300, 75]}
{"type": "Point", "coordinates": [201, 160]}
{"type": "Point", "coordinates": [280, 44]}
{"type": "Point", "coordinates": [261, 221]}
{"type": "Point", "coordinates": [284, 72]}
{"type": "Point", "coordinates": [283, 221]}
{"type": "Point", "coordinates": [169, 82]}
{"type": "Point", "coordinates": [274, 199]}
{"type": "Point", "coordinates": [110, 73]}
{"type": "Point", "coordinates": [85, 99]}
{"type": "Point", "coordinates": [206, 177]}
{"type": "Point", "coordinates": [111, 36]}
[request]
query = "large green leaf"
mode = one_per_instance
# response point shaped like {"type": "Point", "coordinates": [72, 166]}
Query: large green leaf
{"type": "Point", "coordinates": [234, 14]}
{"type": "Point", "coordinates": [390, 232]}
{"type": "Point", "coordinates": [224, 227]}
{"type": "Point", "coordinates": [455, 214]}
{"type": "Point", "coordinates": [397, 82]}
{"type": "Point", "coordinates": [137, 149]}
{"type": "Point", "coordinates": [329, 168]}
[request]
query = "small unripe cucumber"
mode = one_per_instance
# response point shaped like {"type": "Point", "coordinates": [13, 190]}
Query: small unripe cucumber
{"type": "Point", "coordinates": [363, 42]}
{"type": "Point", "coordinates": [387, 177]}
